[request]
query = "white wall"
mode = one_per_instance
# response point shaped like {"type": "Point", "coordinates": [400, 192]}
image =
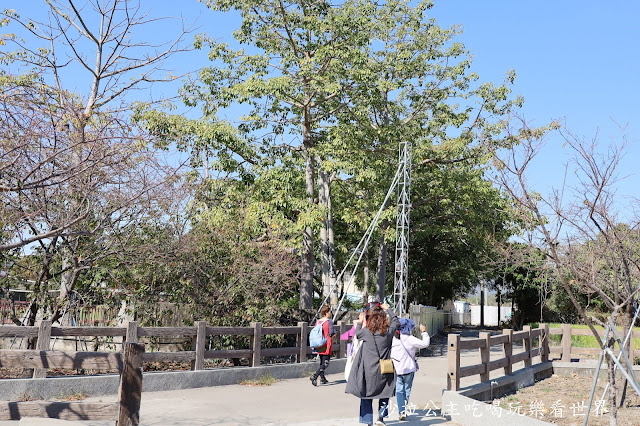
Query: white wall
{"type": "Point", "coordinates": [490, 314]}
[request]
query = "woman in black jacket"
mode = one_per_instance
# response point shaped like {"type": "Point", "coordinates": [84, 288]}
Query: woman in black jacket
{"type": "Point", "coordinates": [365, 379]}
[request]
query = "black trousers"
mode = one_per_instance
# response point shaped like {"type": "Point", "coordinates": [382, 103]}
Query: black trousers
{"type": "Point", "coordinates": [324, 363]}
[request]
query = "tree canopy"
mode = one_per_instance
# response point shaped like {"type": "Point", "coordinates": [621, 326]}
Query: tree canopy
{"type": "Point", "coordinates": [321, 94]}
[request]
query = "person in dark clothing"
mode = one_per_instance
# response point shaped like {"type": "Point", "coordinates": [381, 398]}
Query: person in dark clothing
{"type": "Point", "coordinates": [324, 352]}
{"type": "Point", "coordinates": [365, 379]}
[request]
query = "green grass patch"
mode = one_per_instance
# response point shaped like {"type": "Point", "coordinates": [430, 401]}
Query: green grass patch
{"type": "Point", "coordinates": [583, 341]}
{"type": "Point", "coordinates": [266, 380]}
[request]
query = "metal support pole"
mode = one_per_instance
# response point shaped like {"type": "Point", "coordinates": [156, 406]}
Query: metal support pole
{"type": "Point", "coordinates": [402, 230]}
{"type": "Point", "coordinates": [623, 371]}
{"type": "Point", "coordinates": [626, 339]}
{"type": "Point", "coordinates": [616, 360]}
{"type": "Point", "coordinates": [624, 355]}
{"type": "Point", "coordinates": [595, 377]}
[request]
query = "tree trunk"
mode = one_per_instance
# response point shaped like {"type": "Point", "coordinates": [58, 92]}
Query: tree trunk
{"type": "Point", "coordinates": [382, 263]}
{"type": "Point", "coordinates": [432, 290]}
{"type": "Point", "coordinates": [308, 260]}
{"type": "Point", "coordinates": [331, 245]}
{"type": "Point", "coordinates": [365, 280]}
{"type": "Point", "coordinates": [327, 241]}
{"type": "Point", "coordinates": [70, 275]}
{"type": "Point", "coordinates": [613, 407]}
{"type": "Point", "coordinates": [66, 281]}
{"type": "Point", "coordinates": [324, 236]}
{"type": "Point", "coordinates": [499, 300]}
{"type": "Point", "coordinates": [67, 284]}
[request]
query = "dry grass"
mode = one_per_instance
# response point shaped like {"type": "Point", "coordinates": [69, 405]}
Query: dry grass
{"type": "Point", "coordinates": [76, 396]}
{"type": "Point", "coordinates": [266, 380]}
{"type": "Point", "coordinates": [563, 399]}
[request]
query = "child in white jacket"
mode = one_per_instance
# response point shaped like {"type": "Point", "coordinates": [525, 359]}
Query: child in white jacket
{"type": "Point", "coordinates": [403, 354]}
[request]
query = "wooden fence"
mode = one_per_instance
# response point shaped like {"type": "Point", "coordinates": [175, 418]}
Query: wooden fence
{"type": "Point", "coordinates": [128, 363]}
{"type": "Point", "coordinates": [566, 352]}
{"type": "Point", "coordinates": [484, 343]}
{"type": "Point", "coordinates": [199, 333]}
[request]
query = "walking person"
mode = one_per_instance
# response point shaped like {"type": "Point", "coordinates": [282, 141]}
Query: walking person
{"type": "Point", "coordinates": [403, 354]}
{"type": "Point", "coordinates": [366, 380]}
{"type": "Point", "coordinates": [324, 352]}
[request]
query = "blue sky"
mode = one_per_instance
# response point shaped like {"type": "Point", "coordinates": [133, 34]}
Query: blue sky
{"type": "Point", "coordinates": [575, 61]}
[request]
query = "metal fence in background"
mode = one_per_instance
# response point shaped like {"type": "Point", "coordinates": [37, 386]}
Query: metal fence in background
{"type": "Point", "coordinates": [6, 311]}
{"type": "Point", "coordinates": [433, 319]}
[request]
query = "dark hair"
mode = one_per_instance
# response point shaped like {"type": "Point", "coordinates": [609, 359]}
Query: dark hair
{"type": "Point", "coordinates": [324, 310]}
{"type": "Point", "coordinates": [377, 321]}
{"type": "Point", "coordinates": [371, 306]}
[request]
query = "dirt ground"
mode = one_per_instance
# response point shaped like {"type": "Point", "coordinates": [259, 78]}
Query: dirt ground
{"type": "Point", "coordinates": [563, 400]}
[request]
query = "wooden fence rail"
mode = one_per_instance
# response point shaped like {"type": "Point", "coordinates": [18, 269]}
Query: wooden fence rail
{"type": "Point", "coordinates": [199, 333]}
{"type": "Point", "coordinates": [128, 363]}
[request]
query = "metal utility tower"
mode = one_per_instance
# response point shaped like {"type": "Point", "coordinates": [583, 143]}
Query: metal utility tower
{"type": "Point", "coordinates": [401, 282]}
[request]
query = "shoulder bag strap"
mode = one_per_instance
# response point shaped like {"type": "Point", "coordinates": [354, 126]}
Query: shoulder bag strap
{"type": "Point", "coordinates": [405, 348]}
{"type": "Point", "coordinates": [374, 342]}
{"type": "Point", "coordinates": [322, 325]}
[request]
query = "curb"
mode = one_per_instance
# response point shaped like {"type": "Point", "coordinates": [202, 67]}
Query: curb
{"type": "Point", "coordinates": [59, 387]}
{"type": "Point", "coordinates": [505, 385]}
{"type": "Point", "coordinates": [586, 369]}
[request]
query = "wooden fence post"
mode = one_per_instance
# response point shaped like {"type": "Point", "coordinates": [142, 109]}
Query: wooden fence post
{"type": "Point", "coordinates": [566, 343]}
{"type": "Point", "coordinates": [130, 392]}
{"type": "Point", "coordinates": [132, 332]}
{"type": "Point", "coordinates": [44, 338]}
{"type": "Point", "coordinates": [485, 356]}
{"type": "Point", "coordinates": [302, 341]}
{"type": "Point", "coordinates": [342, 327]}
{"type": "Point", "coordinates": [544, 343]}
{"type": "Point", "coordinates": [527, 345]}
{"type": "Point", "coordinates": [508, 350]}
{"type": "Point", "coordinates": [201, 339]}
{"type": "Point", "coordinates": [453, 355]}
{"type": "Point", "coordinates": [256, 342]}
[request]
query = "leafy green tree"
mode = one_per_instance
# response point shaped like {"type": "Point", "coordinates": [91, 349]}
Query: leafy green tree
{"type": "Point", "coordinates": [350, 81]}
{"type": "Point", "coordinates": [455, 225]}
{"type": "Point", "coordinates": [417, 86]}
{"type": "Point", "coordinates": [219, 268]}
{"type": "Point", "coordinates": [523, 276]}
{"type": "Point", "coordinates": [293, 68]}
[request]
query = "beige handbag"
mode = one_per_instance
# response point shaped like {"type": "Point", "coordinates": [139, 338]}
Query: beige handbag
{"type": "Point", "coordinates": [386, 365]}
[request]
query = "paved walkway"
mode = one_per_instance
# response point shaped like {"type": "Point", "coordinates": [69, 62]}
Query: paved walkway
{"type": "Point", "coordinates": [289, 402]}
{"type": "Point", "coordinates": [286, 402]}
{"type": "Point", "coordinates": [294, 401]}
